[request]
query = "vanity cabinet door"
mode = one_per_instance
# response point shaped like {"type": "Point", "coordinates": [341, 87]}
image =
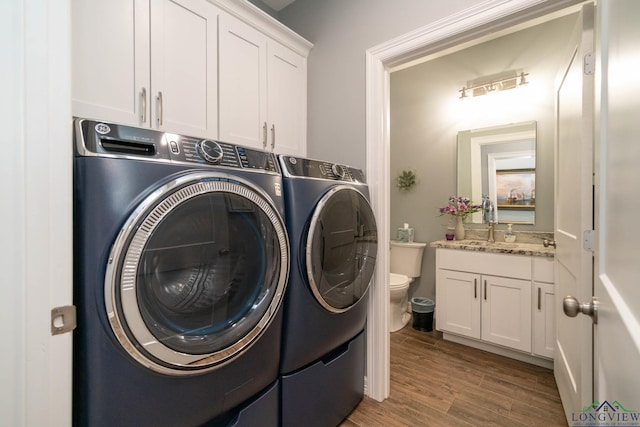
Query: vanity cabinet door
{"type": "Point", "coordinates": [458, 295]}
{"type": "Point", "coordinates": [544, 319]}
{"type": "Point", "coordinates": [543, 306]}
{"type": "Point", "coordinates": [506, 312]}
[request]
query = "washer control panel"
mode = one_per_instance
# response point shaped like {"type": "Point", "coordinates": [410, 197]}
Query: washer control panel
{"type": "Point", "coordinates": [309, 168]}
{"type": "Point", "coordinates": [107, 139]}
{"type": "Point", "coordinates": [210, 151]}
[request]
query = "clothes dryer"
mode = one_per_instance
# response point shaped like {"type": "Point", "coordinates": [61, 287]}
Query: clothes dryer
{"type": "Point", "coordinates": [333, 239]}
{"type": "Point", "coordinates": [181, 260]}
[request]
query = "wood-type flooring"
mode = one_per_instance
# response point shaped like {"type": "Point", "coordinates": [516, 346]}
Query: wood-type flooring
{"type": "Point", "coordinates": [440, 383]}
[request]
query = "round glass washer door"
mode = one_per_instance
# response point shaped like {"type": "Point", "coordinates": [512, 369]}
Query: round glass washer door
{"type": "Point", "coordinates": [341, 248]}
{"type": "Point", "coordinates": [197, 273]}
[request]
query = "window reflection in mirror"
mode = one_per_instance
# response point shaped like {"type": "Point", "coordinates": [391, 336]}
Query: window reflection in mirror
{"type": "Point", "coordinates": [499, 162]}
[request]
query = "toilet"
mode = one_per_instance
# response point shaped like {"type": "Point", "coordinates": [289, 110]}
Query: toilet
{"type": "Point", "coordinates": [405, 266]}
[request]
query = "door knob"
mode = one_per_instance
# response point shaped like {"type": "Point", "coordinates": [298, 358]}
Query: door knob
{"type": "Point", "coordinates": [572, 307]}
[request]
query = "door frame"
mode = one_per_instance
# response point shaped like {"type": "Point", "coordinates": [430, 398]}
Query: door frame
{"type": "Point", "coordinates": [463, 27]}
{"type": "Point", "coordinates": [37, 251]}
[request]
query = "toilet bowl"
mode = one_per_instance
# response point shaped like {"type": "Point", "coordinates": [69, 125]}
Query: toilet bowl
{"type": "Point", "coordinates": [405, 266]}
{"type": "Point", "coordinates": [399, 291]}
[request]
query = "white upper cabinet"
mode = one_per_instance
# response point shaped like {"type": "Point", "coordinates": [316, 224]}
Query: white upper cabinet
{"type": "Point", "coordinates": [184, 67]}
{"type": "Point", "coordinates": [109, 68]}
{"type": "Point", "coordinates": [262, 90]}
{"type": "Point", "coordinates": [149, 63]}
{"type": "Point", "coordinates": [243, 84]}
{"type": "Point", "coordinates": [286, 100]}
{"type": "Point", "coordinates": [161, 63]}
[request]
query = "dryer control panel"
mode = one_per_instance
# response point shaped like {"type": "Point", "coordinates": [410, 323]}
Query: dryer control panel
{"type": "Point", "coordinates": [113, 140]}
{"type": "Point", "coordinates": [309, 168]}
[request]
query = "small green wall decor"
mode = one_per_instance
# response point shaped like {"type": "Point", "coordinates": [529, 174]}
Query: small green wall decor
{"type": "Point", "coordinates": [406, 180]}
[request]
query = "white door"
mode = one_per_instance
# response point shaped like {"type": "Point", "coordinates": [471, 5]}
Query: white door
{"type": "Point", "coordinates": [243, 84]}
{"type": "Point", "coordinates": [543, 317]}
{"type": "Point", "coordinates": [458, 294]}
{"type": "Point", "coordinates": [573, 367]}
{"type": "Point", "coordinates": [286, 101]}
{"type": "Point", "coordinates": [184, 56]}
{"type": "Point", "coordinates": [506, 312]}
{"type": "Point", "coordinates": [617, 268]}
{"type": "Point", "coordinates": [110, 60]}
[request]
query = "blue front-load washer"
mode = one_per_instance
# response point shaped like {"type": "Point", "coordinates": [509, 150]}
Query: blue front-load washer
{"type": "Point", "coordinates": [334, 241]}
{"type": "Point", "coordinates": [181, 261]}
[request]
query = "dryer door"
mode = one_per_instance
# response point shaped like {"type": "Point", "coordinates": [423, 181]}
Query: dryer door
{"type": "Point", "coordinates": [197, 273]}
{"type": "Point", "coordinates": [341, 248]}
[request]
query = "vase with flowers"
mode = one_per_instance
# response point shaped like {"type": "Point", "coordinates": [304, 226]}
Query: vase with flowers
{"type": "Point", "coordinates": [459, 208]}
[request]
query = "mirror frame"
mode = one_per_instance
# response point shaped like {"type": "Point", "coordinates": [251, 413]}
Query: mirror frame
{"type": "Point", "coordinates": [469, 149]}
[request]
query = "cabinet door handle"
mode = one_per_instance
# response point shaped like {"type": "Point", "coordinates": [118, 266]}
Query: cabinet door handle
{"type": "Point", "coordinates": [160, 109]}
{"type": "Point", "coordinates": [264, 135]}
{"type": "Point", "coordinates": [539, 299]}
{"type": "Point", "coordinates": [475, 288]}
{"type": "Point", "coordinates": [273, 137]}
{"type": "Point", "coordinates": [485, 290]}
{"type": "Point", "coordinates": [143, 105]}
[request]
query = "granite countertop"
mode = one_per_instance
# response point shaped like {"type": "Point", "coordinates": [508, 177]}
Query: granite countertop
{"type": "Point", "coordinates": [531, 249]}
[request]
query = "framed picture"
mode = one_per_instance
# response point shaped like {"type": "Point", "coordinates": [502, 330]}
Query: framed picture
{"type": "Point", "coordinates": [516, 189]}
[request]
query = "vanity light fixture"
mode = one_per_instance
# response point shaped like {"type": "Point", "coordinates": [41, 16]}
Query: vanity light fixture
{"type": "Point", "coordinates": [495, 83]}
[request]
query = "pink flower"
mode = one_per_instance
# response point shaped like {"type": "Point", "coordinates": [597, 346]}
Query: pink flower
{"type": "Point", "coordinates": [459, 206]}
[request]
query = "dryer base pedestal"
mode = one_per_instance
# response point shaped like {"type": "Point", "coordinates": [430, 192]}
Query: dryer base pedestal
{"type": "Point", "coordinates": [262, 410]}
{"type": "Point", "coordinates": [325, 392]}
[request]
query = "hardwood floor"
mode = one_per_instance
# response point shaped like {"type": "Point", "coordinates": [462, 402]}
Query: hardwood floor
{"type": "Point", "coordinates": [440, 383]}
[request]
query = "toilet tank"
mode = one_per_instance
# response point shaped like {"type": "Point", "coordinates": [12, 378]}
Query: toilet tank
{"type": "Point", "coordinates": [406, 258]}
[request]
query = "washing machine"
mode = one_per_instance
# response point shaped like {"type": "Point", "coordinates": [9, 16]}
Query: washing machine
{"type": "Point", "coordinates": [181, 260]}
{"type": "Point", "coordinates": [333, 239]}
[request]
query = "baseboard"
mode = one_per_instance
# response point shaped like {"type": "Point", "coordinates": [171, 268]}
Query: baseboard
{"type": "Point", "coordinates": [502, 351]}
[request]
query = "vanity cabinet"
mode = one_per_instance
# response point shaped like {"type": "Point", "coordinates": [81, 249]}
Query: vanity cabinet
{"type": "Point", "coordinates": [262, 90]}
{"type": "Point", "coordinates": [506, 312]}
{"type": "Point", "coordinates": [544, 326]}
{"type": "Point", "coordinates": [150, 63]}
{"type": "Point", "coordinates": [492, 299]}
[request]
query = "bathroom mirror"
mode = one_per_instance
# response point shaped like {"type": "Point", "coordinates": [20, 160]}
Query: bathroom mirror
{"type": "Point", "coordinates": [499, 162]}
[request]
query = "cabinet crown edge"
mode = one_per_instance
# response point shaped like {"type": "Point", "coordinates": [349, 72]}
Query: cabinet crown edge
{"type": "Point", "coordinates": [263, 22]}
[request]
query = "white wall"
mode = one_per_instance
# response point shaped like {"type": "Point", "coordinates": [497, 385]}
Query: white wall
{"type": "Point", "coordinates": [426, 116]}
{"type": "Point", "coordinates": [342, 31]}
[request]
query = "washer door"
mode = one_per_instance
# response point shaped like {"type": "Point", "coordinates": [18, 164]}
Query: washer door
{"type": "Point", "coordinates": [197, 273]}
{"type": "Point", "coordinates": [341, 248]}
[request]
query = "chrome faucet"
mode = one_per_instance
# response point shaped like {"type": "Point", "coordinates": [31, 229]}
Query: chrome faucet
{"type": "Point", "coordinates": [546, 243]}
{"type": "Point", "coordinates": [490, 239]}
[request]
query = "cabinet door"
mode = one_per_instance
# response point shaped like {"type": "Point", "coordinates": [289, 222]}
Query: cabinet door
{"type": "Point", "coordinates": [458, 297]}
{"type": "Point", "coordinates": [243, 84]}
{"type": "Point", "coordinates": [286, 106]}
{"type": "Point", "coordinates": [110, 60]}
{"type": "Point", "coordinates": [544, 320]}
{"type": "Point", "coordinates": [506, 312]}
{"type": "Point", "coordinates": [184, 67]}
